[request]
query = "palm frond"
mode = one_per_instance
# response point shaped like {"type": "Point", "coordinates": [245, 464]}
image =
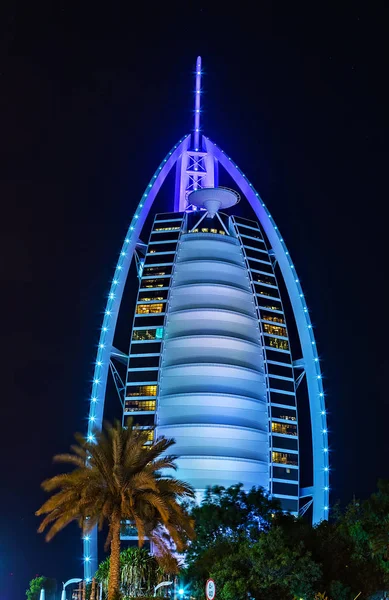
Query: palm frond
{"type": "Point", "coordinates": [118, 478]}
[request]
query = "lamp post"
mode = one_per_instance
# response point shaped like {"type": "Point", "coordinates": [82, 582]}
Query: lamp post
{"type": "Point", "coordinates": [162, 584]}
{"type": "Point", "coordinates": [68, 582]}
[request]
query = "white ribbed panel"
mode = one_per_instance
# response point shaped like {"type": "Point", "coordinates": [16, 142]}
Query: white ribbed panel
{"type": "Point", "coordinates": [212, 393]}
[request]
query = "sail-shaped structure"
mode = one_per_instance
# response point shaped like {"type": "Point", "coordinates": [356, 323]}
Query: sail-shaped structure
{"type": "Point", "coordinates": [210, 359]}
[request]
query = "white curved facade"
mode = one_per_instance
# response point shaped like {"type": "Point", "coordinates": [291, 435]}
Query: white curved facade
{"type": "Point", "coordinates": [212, 392]}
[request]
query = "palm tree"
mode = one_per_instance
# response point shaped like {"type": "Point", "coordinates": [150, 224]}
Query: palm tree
{"type": "Point", "coordinates": [139, 572]}
{"type": "Point", "coordinates": [117, 478]}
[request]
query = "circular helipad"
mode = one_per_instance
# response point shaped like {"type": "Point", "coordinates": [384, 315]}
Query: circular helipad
{"type": "Point", "coordinates": [213, 199]}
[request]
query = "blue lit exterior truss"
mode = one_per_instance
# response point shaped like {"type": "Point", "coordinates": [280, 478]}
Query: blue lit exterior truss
{"type": "Point", "coordinates": [197, 160]}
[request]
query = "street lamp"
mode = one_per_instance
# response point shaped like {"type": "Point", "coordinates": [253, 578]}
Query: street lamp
{"type": "Point", "coordinates": [68, 582]}
{"type": "Point", "coordinates": [162, 584]}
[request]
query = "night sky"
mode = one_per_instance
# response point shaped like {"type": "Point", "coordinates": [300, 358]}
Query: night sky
{"type": "Point", "coordinates": [91, 100]}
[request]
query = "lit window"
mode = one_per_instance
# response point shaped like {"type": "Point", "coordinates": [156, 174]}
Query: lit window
{"type": "Point", "coordinates": [265, 279]}
{"type": "Point", "coordinates": [213, 230]}
{"type": "Point", "coordinates": [167, 228]}
{"type": "Point", "coordinates": [150, 435]}
{"type": "Point", "coordinates": [142, 390]}
{"type": "Point", "coordinates": [147, 334]}
{"type": "Point", "coordinates": [139, 405]}
{"type": "Point", "coordinates": [149, 299]}
{"type": "Point", "coordinates": [274, 329]}
{"type": "Point", "coordinates": [287, 418]}
{"type": "Point", "coordinates": [284, 458]}
{"type": "Point", "coordinates": [205, 230]}
{"type": "Point", "coordinates": [145, 309]}
{"type": "Point", "coordinates": [284, 428]}
{"type": "Point", "coordinates": [275, 319]}
{"type": "Point", "coordinates": [277, 343]}
{"type": "Point", "coordinates": [153, 283]}
{"type": "Point", "coordinates": [154, 271]}
{"type": "Point", "coordinates": [222, 232]}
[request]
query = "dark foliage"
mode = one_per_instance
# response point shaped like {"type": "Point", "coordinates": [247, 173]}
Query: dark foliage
{"type": "Point", "coordinates": [251, 549]}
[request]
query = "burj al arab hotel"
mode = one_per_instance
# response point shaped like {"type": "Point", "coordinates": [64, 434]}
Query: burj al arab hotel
{"type": "Point", "coordinates": [210, 361]}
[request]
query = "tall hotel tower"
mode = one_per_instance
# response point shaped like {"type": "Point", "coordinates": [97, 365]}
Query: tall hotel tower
{"type": "Point", "coordinates": [210, 360]}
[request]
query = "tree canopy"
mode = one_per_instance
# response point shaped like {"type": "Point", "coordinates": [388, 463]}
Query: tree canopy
{"type": "Point", "coordinates": [251, 549]}
{"type": "Point", "coordinates": [36, 584]}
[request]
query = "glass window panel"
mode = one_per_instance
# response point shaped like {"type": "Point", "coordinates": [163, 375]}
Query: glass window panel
{"type": "Point", "coordinates": [283, 398]}
{"type": "Point", "coordinates": [285, 473]}
{"type": "Point", "coordinates": [138, 362]}
{"type": "Point", "coordinates": [285, 443]}
{"type": "Point", "coordinates": [274, 329]}
{"type": "Point", "coordinates": [141, 390]}
{"type": "Point", "coordinates": [283, 413]}
{"type": "Point", "coordinates": [159, 258]}
{"type": "Point", "coordinates": [154, 320]}
{"type": "Point", "coordinates": [166, 270]}
{"type": "Point", "coordinates": [278, 356]}
{"type": "Point", "coordinates": [284, 428]}
{"type": "Point", "coordinates": [284, 458]}
{"type": "Point", "coordinates": [281, 384]}
{"type": "Point", "coordinates": [283, 370]}
{"type": "Point", "coordinates": [145, 309]}
{"type": "Point", "coordinates": [165, 247]}
{"type": "Point", "coordinates": [140, 405]}
{"type": "Point", "coordinates": [266, 291]}
{"type": "Point", "coordinates": [147, 334]}
{"type": "Point", "coordinates": [286, 489]}
{"type": "Point", "coordinates": [155, 295]}
{"type": "Point", "coordinates": [274, 318]}
{"type": "Point", "coordinates": [268, 304]}
{"type": "Point", "coordinates": [277, 343]}
{"type": "Point", "coordinates": [260, 266]}
{"type": "Point", "coordinates": [155, 283]}
{"type": "Point", "coordinates": [167, 228]}
{"type": "Point", "coordinates": [143, 376]}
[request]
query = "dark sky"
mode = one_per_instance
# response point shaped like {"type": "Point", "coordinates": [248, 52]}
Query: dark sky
{"type": "Point", "coordinates": [92, 97]}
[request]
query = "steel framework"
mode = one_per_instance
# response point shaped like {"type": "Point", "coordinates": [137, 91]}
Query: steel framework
{"type": "Point", "coordinates": [197, 160]}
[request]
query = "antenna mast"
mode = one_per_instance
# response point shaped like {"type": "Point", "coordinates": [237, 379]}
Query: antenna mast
{"type": "Point", "coordinates": [196, 132]}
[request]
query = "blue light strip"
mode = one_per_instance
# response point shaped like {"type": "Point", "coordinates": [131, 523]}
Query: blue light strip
{"type": "Point", "coordinates": [305, 330]}
{"type": "Point", "coordinates": [101, 370]}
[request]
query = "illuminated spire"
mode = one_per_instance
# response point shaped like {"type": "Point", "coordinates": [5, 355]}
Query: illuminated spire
{"type": "Point", "coordinates": [196, 132]}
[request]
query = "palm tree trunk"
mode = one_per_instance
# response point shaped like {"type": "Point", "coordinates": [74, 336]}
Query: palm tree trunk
{"type": "Point", "coordinates": [114, 569]}
{"type": "Point", "coordinates": [93, 591]}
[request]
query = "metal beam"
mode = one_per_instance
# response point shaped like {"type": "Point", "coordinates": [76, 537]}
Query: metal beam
{"type": "Point", "coordinates": [304, 508]}
{"type": "Point", "coordinates": [119, 385]}
{"type": "Point", "coordinates": [119, 356]}
{"type": "Point", "coordinates": [306, 491]}
{"type": "Point", "coordinates": [299, 363]}
{"type": "Point", "coordinates": [141, 247]}
{"type": "Point", "coordinates": [299, 379]}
